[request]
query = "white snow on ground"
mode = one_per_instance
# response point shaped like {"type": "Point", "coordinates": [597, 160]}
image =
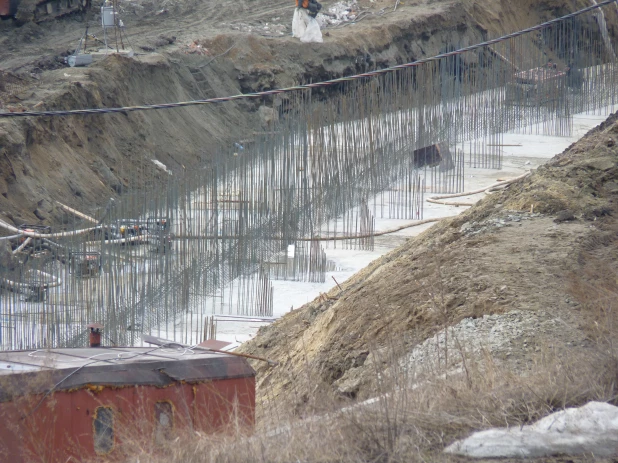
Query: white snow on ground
{"type": "Point", "coordinates": [161, 166]}
{"type": "Point", "coordinates": [592, 428]}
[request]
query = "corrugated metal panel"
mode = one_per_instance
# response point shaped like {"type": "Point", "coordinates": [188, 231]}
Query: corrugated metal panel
{"type": "Point", "coordinates": [231, 367]}
{"type": "Point", "coordinates": [158, 372]}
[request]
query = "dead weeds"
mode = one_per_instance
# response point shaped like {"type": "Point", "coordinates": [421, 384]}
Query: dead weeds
{"type": "Point", "coordinates": [415, 413]}
{"type": "Point", "coordinates": [409, 419]}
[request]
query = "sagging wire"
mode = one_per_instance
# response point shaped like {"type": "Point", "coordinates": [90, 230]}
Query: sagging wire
{"type": "Point", "coordinates": [399, 128]}
{"type": "Point", "coordinates": [296, 88]}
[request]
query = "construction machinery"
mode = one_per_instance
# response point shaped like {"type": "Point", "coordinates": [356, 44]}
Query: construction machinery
{"type": "Point", "coordinates": [33, 285]}
{"type": "Point", "coordinates": [130, 227]}
{"type": "Point", "coordinates": [38, 247]}
{"type": "Point", "coordinates": [40, 10]}
{"type": "Point", "coordinates": [158, 223]}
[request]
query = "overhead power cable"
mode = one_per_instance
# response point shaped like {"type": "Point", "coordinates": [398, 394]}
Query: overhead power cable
{"type": "Point", "coordinates": [326, 83]}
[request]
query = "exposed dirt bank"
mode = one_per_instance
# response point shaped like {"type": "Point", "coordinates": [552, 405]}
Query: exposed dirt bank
{"type": "Point", "coordinates": [500, 274]}
{"type": "Point", "coordinates": [85, 160]}
{"type": "Point", "coordinates": [482, 271]}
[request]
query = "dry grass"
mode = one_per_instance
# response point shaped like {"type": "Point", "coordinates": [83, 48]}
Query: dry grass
{"type": "Point", "coordinates": [597, 290]}
{"type": "Point", "coordinates": [21, 399]}
{"type": "Point", "coordinates": [417, 413]}
{"type": "Point", "coordinates": [405, 423]}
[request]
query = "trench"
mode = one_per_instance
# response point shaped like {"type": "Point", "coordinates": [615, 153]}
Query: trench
{"type": "Point", "coordinates": [168, 282]}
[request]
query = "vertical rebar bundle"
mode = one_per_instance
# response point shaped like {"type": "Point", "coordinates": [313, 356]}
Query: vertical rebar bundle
{"type": "Point", "coordinates": [163, 259]}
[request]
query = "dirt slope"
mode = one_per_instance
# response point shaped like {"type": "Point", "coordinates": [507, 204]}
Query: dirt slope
{"type": "Point", "coordinates": [83, 161]}
{"type": "Point", "coordinates": [496, 258]}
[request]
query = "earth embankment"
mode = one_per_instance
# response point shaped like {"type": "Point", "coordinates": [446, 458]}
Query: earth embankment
{"type": "Point", "coordinates": [500, 280]}
{"type": "Point", "coordinates": [85, 160]}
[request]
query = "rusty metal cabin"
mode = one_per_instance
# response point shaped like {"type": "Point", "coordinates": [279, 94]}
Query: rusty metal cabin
{"type": "Point", "coordinates": [64, 405]}
{"type": "Point", "coordinates": [7, 8]}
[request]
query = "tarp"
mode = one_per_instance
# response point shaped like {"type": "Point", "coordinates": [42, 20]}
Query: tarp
{"type": "Point", "coordinates": [305, 27]}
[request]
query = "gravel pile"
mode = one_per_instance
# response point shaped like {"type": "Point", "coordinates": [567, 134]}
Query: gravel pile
{"type": "Point", "coordinates": [506, 336]}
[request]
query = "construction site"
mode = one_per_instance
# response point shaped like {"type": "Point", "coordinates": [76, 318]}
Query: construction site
{"type": "Point", "coordinates": [408, 230]}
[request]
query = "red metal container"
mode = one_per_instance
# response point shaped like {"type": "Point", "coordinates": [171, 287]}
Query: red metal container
{"type": "Point", "coordinates": [108, 400]}
{"type": "Point", "coordinates": [5, 7]}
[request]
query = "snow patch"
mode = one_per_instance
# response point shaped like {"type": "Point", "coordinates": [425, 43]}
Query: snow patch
{"type": "Point", "coordinates": [161, 166]}
{"type": "Point", "coordinates": [592, 428]}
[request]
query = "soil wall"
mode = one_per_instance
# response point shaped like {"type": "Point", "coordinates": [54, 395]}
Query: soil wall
{"type": "Point", "coordinates": [85, 160]}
